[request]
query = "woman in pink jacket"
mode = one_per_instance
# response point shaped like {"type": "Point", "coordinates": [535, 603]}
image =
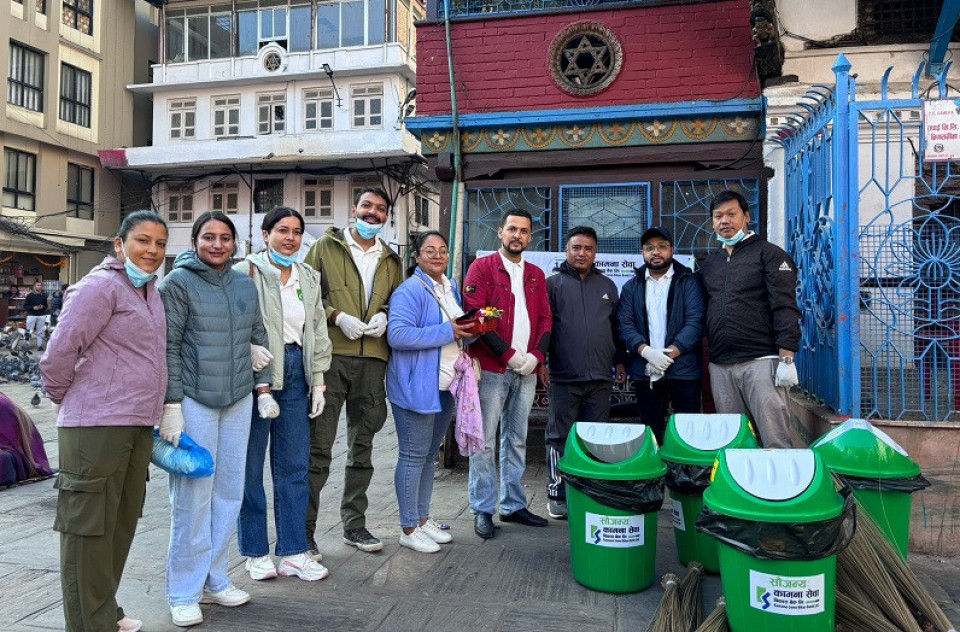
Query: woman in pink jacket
{"type": "Point", "coordinates": [105, 368]}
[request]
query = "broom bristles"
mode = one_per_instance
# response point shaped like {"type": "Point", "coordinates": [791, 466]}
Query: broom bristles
{"type": "Point", "coordinates": [854, 616]}
{"type": "Point", "coordinates": [717, 620]}
{"type": "Point", "coordinates": [663, 619]}
{"type": "Point", "coordinates": [690, 613]}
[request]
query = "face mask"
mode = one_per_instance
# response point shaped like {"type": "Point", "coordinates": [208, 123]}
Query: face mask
{"type": "Point", "coordinates": [138, 277]}
{"type": "Point", "coordinates": [732, 241]}
{"type": "Point", "coordinates": [282, 260]}
{"type": "Point", "coordinates": [368, 231]}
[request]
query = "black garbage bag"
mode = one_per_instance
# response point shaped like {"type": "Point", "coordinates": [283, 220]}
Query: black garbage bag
{"type": "Point", "coordinates": [783, 541]}
{"type": "Point", "coordinates": [905, 485]}
{"type": "Point", "coordinates": [692, 480]}
{"type": "Point", "coordinates": [644, 496]}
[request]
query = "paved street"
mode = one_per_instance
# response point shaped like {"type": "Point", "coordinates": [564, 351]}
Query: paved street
{"type": "Point", "coordinates": [520, 580]}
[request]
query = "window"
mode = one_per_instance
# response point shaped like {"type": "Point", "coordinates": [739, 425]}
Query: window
{"type": "Point", "coordinates": [199, 33]}
{"type": "Point", "coordinates": [224, 197]}
{"type": "Point", "coordinates": [318, 109]}
{"type": "Point", "coordinates": [271, 113]}
{"type": "Point", "coordinates": [19, 179]}
{"type": "Point", "coordinates": [79, 191]}
{"type": "Point", "coordinates": [360, 183]}
{"type": "Point", "coordinates": [180, 203]}
{"type": "Point", "coordinates": [421, 210]}
{"type": "Point", "coordinates": [75, 94]}
{"type": "Point", "coordinates": [25, 79]}
{"type": "Point", "coordinates": [78, 14]}
{"type": "Point", "coordinates": [351, 23]}
{"type": "Point", "coordinates": [367, 105]}
{"type": "Point", "coordinates": [618, 212]}
{"type": "Point", "coordinates": [183, 118]}
{"type": "Point", "coordinates": [288, 26]}
{"type": "Point", "coordinates": [226, 115]}
{"type": "Point", "coordinates": [317, 198]}
{"type": "Point", "coordinates": [485, 207]}
{"type": "Point", "coordinates": [41, 6]}
{"type": "Point", "coordinates": [267, 193]}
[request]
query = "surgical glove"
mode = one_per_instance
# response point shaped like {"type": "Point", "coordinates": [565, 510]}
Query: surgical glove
{"type": "Point", "coordinates": [786, 375]}
{"type": "Point", "coordinates": [653, 373]}
{"type": "Point", "coordinates": [261, 357]}
{"type": "Point", "coordinates": [515, 363]}
{"type": "Point", "coordinates": [317, 401]}
{"type": "Point", "coordinates": [657, 358]}
{"type": "Point", "coordinates": [171, 424]}
{"type": "Point", "coordinates": [267, 406]}
{"type": "Point", "coordinates": [351, 326]}
{"type": "Point", "coordinates": [529, 365]}
{"type": "Point", "coordinates": [377, 325]}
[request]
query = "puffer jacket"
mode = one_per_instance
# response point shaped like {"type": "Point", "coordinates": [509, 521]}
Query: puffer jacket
{"type": "Point", "coordinates": [106, 362]}
{"type": "Point", "coordinates": [331, 257]}
{"type": "Point", "coordinates": [212, 318]}
{"type": "Point", "coordinates": [316, 341]}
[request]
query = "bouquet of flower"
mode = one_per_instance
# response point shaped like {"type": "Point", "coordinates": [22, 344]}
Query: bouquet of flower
{"type": "Point", "coordinates": [481, 320]}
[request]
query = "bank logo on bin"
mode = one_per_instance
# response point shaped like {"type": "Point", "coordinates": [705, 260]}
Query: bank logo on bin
{"type": "Point", "coordinates": [614, 531]}
{"type": "Point", "coordinates": [782, 594]}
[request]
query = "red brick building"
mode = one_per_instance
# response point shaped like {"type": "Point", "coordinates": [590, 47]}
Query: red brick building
{"type": "Point", "coordinates": [618, 115]}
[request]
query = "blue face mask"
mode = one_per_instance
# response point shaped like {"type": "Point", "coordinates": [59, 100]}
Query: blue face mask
{"type": "Point", "coordinates": [731, 241]}
{"type": "Point", "coordinates": [138, 277]}
{"type": "Point", "coordinates": [368, 231]}
{"type": "Point", "coordinates": [282, 260]}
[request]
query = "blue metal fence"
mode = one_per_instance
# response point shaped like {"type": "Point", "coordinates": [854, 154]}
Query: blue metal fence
{"type": "Point", "coordinates": [875, 231]}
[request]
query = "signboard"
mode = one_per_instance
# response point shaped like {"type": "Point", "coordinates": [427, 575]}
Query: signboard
{"type": "Point", "coordinates": [941, 130]}
{"type": "Point", "coordinates": [792, 596]}
{"type": "Point", "coordinates": [619, 268]}
{"type": "Point", "coordinates": [616, 532]}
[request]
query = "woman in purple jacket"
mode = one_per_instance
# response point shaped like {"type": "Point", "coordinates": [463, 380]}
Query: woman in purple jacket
{"type": "Point", "coordinates": [105, 368]}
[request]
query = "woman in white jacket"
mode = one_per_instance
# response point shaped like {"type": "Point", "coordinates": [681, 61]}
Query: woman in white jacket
{"type": "Point", "coordinates": [298, 345]}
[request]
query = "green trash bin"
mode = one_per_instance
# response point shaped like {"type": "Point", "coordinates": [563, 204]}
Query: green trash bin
{"type": "Point", "coordinates": [690, 446]}
{"type": "Point", "coordinates": [614, 484]}
{"type": "Point", "coordinates": [879, 471]}
{"type": "Point", "coordinates": [780, 523]}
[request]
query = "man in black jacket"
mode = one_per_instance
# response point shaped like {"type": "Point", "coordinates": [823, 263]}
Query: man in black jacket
{"type": "Point", "coordinates": [661, 325]}
{"type": "Point", "coordinates": [753, 324]}
{"type": "Point", "coordinates": [584, 348]}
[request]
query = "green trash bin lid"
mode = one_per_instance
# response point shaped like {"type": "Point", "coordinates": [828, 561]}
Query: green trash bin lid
{"type": "Point", "coordinates": [693, 439]}
{"type": "Point", "coordinates": [634, 441]}
{"type": "Point", "coordinates": [773, 486]}
{"type": "Point", "coordinates": [858, 448]}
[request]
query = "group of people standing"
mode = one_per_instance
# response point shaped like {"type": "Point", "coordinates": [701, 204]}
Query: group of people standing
{"type": "Point", "coordinates": [268, 352]}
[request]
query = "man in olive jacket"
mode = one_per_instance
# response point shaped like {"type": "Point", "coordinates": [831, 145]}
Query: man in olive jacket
{"type": "Point", "coordinates": [360, 272]}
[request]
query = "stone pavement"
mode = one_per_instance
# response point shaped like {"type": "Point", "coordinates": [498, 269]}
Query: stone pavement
{"type": "Point", "coordinates": [519, 580]}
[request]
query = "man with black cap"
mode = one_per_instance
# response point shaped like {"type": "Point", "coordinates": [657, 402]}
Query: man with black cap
{"type": "Point", "coordinates": [661, 324]}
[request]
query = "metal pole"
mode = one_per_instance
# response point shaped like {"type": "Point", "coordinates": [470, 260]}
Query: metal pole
{"type": "Point", "coordinates": [841, 203]}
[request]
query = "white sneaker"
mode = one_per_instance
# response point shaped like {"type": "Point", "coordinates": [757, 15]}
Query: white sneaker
{"type": "Point", "coordinates": [435, 533]}
{"type": "Point", "coordinates": [230, 596]}
{"type": "Point", "coordinates": [260, 567]}
{"type": "Point", "coordinates": [302, 566]}
{"type": "Point", "coordinates": [185, 616]}
{"type": "Point", "coordinates": [419, 541]}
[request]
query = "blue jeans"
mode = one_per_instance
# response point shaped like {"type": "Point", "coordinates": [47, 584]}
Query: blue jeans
{"type": "Point", "coordinates": [203, 511]}
{"type": "Point", "coordinates": [505, 400]}
{"type": "Point", "coordinates": [289, 436]}
{"type": "Point", "coordinates": [419, 436]}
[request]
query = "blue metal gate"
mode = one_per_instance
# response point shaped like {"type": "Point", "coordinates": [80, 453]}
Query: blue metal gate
{"type": "Point", "coordinates": [875, 231]}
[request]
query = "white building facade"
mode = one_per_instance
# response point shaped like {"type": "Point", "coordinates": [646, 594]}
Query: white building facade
{"type": "Point", "coordinates": [301, 104]}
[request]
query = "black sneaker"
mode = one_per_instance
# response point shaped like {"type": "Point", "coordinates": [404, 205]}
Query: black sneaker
{"type": "Point", "coordinates": [362, 539]}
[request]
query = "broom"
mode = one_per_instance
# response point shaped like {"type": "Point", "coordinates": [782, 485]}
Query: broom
{"type": "Point", "coordinates": [691, 608]}
{"type": "Point", "coordinates": [717, 620]}
{"type": "Point", "coordinates": [669, 608]}
{"type": "Point", "coordinates": [854, 616]}
{"type": "Point", "coordinates": [929, 614]}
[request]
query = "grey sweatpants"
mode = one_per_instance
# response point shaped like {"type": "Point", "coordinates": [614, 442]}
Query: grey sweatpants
{"type": "Point", "coordinates": [747, 388]}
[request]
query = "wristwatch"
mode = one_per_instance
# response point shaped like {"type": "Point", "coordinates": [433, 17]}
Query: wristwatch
{"type": "Point", "coordinates": [786, 359]}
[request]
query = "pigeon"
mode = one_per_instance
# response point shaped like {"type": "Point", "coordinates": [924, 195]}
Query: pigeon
{"type": "Point", "coordinates": [36, 400]}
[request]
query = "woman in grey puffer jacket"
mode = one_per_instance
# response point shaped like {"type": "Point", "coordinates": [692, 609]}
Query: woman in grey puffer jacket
{"type": "Point", "coordinates": [213, 318]}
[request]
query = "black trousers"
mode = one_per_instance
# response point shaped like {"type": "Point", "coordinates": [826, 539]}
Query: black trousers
{"type": "Point", "coordinates": [679, 396]}
{"type": "Point", "coordinates": [571, 402]}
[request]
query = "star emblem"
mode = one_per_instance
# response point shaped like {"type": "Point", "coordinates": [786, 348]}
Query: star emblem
{"type": "Point", "coordinates": [587, 62]}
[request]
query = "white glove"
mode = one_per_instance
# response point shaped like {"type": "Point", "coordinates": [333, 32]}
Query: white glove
{"type": "Point", "coordinates": [261, 357]}
{"type": "Point", "coordinates": [317, 400]}
{"type": "Point", "coordinates": [660, 360]}
{"type": "Point", "coordinates": [377, 325]}
{"type": "Point", "coordinates": [172, 423]}
{"type": "Point", "coordinates": [351, 326]}
{"type": "Point", "coordinates": [529, 365]}
{"type": "Point", "coordinates": [653, 373]}
{"type": "Point", "coordinates": [267, 406]}
{"type": "Point", "coordinates": [786, 375]}
{"type": "Point", "coordinates": [516, 361]}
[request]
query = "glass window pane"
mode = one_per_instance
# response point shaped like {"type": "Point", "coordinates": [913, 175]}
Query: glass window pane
{"type": "Point", "coordinates": [220, 33]}
{"type": "Point", "coordinates": [377, 22]}
{"type": "Point", "coordinates": [198, 29]}
{"type": "Point", "coordinates": [247, 41]}
{"type": "Point", "coordinates": [175, 51]}
{"type": "Point", "coordinates": [328, 26]}
{"type": "Point", "coordinates": [299, 29]}
{"type": "Point", "coordinates": [73, 181]}
{"type": "Point", "coordinates": [280, 23]}
{"type": "Point", "coordinates": [353, 23]}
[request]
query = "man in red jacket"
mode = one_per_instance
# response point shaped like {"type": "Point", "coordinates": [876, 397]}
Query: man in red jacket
{"type": "Point", "coordinates": [508, 358]}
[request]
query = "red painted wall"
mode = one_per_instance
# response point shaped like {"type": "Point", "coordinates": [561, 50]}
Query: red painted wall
{"type": "Point", "coordinates": [670, 53]}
